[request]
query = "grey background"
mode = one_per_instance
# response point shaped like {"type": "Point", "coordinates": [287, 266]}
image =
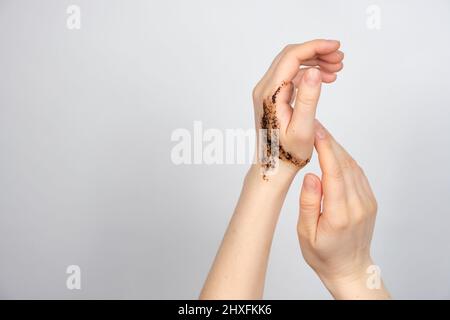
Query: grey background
{"type": "Point", "coordinates": [86, 118]}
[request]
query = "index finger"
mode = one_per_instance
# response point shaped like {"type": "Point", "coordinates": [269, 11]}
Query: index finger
{"type": "Point", "coordinates": [333, 182]}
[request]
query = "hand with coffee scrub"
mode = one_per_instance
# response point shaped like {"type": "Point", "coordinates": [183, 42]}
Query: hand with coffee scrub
{"type": "Point", "coordinates": [337, 211]}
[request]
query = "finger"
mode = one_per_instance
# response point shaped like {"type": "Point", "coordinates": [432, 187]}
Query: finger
{"type": "Point", "coordinates": [333, 57]}
{"type": "Point", "coordinates": [359, 192]}
{"type": "Point", "coordinates": [311, 62]}
{"type": "Point", "coordinates": [333, 184]}
{"type": "Point", "coordinates": [310, 199]}
{"type": "Point", "coordinates": [325, 66]}
{"type": "Point", "coordinates": [350, 171]}
{"type": "Point", "coordinates": [302, 121]}
{"type": "Point", "coordinates": [326, 77]}
{"type": "Point", "coordinates": [294, 55]}
{"type": "Point", "coordinates": [331, 67]}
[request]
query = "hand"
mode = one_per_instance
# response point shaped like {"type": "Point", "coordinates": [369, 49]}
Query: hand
{"type": "Point", "coordinates": [239, 269]}
{"type": "Point", "coordinates": [284, 81]}
{"type": "Point", "coordinates": [336, 241]}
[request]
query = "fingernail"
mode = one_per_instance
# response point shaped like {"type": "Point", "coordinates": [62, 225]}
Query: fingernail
{"type": "Point", "coordinates": [309, 183]}
{"type": "Point", "coordinates": [333, 40]}
{"type": "Point", "coordinates": [320, 131]}
{"type": "Point", "coordinates": [312, 77]}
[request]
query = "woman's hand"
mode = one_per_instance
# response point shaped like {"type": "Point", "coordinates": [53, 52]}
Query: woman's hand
{"type": "Point", "coordinates": [335, 237]}
{"type": "Point", "coordinates": [285, 100]}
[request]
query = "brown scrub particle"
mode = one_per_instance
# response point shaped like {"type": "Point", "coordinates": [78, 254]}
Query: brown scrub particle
{"type": "Point", "coordinates": [269, 122]}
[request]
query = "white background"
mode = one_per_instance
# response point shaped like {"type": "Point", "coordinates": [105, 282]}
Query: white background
{"type": "Point", "coordinates": [86, 117]}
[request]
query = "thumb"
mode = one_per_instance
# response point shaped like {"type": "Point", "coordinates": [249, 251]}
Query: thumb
{"type": "Point", "coordinates": [310, 199]}
{"type": "Point", "coordinates": [304, 113]}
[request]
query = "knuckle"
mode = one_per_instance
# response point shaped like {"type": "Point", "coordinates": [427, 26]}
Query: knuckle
{"type": "Point", "coordinates": [364, 211]}
{"type": "Point", "coordinates": [354, 202]}
{"type": "Point", "coordinates": [288, 48]}
{"type": "Point", "coordinates": [257, 92]}
{"type": "Point", "coordinates": [341, 223]}
{"type": "Point", "coordinates": [290, 53]}
{"type": "Point", "coordinates": [358, 209]}
{"type": "Point", "coordinates": [359, 217]}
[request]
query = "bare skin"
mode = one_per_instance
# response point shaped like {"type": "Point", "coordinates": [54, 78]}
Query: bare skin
{"type": "Point", "coordinates": [239, 269]}
{"type": "Point", "coordinates": [335, 239]}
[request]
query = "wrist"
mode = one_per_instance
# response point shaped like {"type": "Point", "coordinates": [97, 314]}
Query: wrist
{"type": "Point", "coordinates": [364, 282]}
{"type": "Point", "coordinates": [279, 177]}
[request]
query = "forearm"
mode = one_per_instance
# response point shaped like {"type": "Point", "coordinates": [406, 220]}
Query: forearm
{"type": "Point", "coordinates": [239, 269]}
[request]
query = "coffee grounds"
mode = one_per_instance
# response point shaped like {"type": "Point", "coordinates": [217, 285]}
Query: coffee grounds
{"type": "Point", "coordinates": [269, 122]}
